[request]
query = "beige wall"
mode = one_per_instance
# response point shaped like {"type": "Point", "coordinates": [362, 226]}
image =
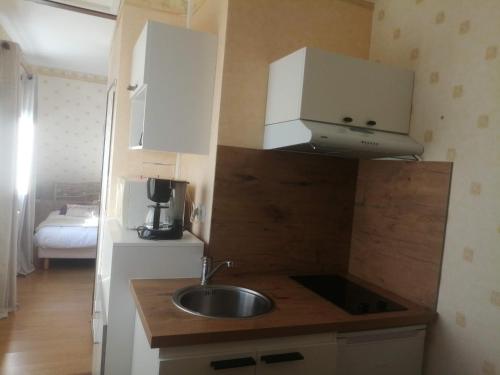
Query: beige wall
{"type": "Point", "coordinates": [251, 35]}
{"type": "Point", "coordinates": [256, 33]}
{"type": "Point", "coordinates": [199, 170]}
{"type": "Point", "coordinates": [453, 46]}
{"type": "Point", "coordinates": [3, 34]}
{"type": "Point", "coordinates": [125, 162]}
{"type": "Point", "coordinates": [261, 31]}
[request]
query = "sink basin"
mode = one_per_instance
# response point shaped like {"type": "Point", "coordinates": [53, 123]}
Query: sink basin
{"type": "Point", "coordinates": [221, 301]}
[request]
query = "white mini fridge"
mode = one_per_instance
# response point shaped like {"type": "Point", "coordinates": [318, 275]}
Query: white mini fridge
{"type": "Point", "coordinates": [395, 351]}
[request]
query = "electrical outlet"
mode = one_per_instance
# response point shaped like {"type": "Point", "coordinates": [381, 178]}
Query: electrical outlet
{"type": "Point", "coordinates": [198, 214]}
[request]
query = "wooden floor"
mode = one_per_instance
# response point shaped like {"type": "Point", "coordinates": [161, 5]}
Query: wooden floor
{"type": "Point", "coordinates": [50, 333]}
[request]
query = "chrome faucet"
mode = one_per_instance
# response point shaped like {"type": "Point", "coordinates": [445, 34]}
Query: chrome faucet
{"type": "Point", "coordinates": [207, 271]}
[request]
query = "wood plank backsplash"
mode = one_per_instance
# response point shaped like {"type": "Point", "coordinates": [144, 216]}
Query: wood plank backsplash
{"type": "Point", "coordinates": [282, 212]}
{"type": "Point", "coordinates": [399, 226]}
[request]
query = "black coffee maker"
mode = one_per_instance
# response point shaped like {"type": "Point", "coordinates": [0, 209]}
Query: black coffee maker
{"type": "Point", "coordinates": [165, 218]}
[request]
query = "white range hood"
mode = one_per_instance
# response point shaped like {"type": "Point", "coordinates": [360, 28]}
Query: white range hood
{"type": "Point", "coordinates": [322, 102]}
{"type": "Point", "coordinates": [338, 140]}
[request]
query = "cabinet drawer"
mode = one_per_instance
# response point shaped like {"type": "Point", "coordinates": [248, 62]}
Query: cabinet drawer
{"type": "Point", "coordinates": [224, 364]}
{"type": "Point", "coordinates": [313, 359]}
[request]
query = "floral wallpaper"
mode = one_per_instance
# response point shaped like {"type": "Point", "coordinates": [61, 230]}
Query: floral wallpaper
{"type": "Point", "coordinates": [69, 131]}
{"type": "Point", "coordinates": [69, 74]}
{"type": "Point", "coordinates": [453, 46]}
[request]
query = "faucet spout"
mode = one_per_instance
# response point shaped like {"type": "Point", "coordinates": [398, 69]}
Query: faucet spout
{"type": "Point", "coordinates": [207, 271]}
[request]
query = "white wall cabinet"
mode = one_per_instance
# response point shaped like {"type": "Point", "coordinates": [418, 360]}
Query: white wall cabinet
{"type": "Point", "coordinates": [297, 355]}
{"type": "Point", "coordinates": [171, 89]}
{"type": "Point", "coordinates": [312, 84]}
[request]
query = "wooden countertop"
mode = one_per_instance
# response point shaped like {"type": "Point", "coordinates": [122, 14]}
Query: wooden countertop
{"type": "Point", "coordinates": [297, 311]}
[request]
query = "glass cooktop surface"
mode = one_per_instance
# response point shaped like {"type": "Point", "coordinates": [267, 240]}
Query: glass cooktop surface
{"type": "Point", "coordinates": [347, 295]}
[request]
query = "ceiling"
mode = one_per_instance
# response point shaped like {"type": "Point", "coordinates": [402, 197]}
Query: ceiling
{"type": "Point", "coordinates": [60, 38]}
{"type": "Point", "coordinates": [105, 6]}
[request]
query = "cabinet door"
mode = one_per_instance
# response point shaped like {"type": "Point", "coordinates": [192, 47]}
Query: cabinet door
{"type": "Point", "coordinates": [384, 352]}
{"type": "Point", "coordinates": [224, 364]}
{"type": "Point", "coordinates": [313, 359]}
{"type": "Point", "coordinates": [175, 114]}
{"type": "Point", "coordinates": [138, 62]}
{"type": "Point", "coordinates": [355, 92]}
{"type": "Point", "coordinates": [137, 114]}
{"type": "Point", "coordinates": [99, 349]}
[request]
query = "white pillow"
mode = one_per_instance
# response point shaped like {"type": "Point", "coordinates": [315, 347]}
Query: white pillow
{"type": "Point", "coordinates": [81, 210]}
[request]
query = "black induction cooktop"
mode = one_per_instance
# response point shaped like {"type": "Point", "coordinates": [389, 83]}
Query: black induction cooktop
{"type": "Point", "coordinates": [347, 295]}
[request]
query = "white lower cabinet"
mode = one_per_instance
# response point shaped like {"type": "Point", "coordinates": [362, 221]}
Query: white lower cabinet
{"type": "Point", "coordinates": [124, 256]}
{"type": "Point", "coordinates": [315, 359]}
{"type": "Point", "coordinates": [393, 351]}
{"type": "Point", "coordinates": [308, 354]}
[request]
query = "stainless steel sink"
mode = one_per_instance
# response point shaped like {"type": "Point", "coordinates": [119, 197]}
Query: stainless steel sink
{"type": "Point", "coordinates": [221, 301]}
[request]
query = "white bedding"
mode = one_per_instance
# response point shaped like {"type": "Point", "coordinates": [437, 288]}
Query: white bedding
{"type": "Point", "coordinates": [61, 231]}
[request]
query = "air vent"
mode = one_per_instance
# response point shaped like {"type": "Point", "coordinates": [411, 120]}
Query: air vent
{"type": "Point", "coordinates": [370, 143]}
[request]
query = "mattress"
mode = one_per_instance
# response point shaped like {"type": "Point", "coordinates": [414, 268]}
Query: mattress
{"type": "Point", "coordinates": [61, 231]}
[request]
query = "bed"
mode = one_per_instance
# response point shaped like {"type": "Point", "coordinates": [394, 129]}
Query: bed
{"type": "Point", "coordinates": [69, 232]}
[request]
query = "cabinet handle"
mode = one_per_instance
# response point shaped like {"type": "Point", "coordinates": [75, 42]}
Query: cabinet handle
{"type": "Point", "coordinates": [347, 119]}
{"type": "Point", "coordinates": [285, 357]}
{"type": "Point", "coordinates": [132, 87]}
{"type": "Point", "coordinates": [371, 123]}
{"type": "Point", "coordinates": [233, 363]}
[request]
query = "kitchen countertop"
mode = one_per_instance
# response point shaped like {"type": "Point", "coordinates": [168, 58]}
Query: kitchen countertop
{"type": "Point", "coordinates": [297, 311]}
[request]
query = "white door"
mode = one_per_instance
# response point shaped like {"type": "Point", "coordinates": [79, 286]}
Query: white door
{"type": "Point", "coordinates": [106, 161]}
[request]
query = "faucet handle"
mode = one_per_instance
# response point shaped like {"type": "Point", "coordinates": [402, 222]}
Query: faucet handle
{"type": "Point", "coordinates": [207, 271]}
{"type": "Point", "coordinates": [206, 260]}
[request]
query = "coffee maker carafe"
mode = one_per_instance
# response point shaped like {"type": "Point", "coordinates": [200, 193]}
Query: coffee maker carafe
{"type": "Point", "coordinates": [165, 218]}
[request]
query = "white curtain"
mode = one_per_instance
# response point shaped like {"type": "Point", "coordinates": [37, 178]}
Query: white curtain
{"type": "Point", "coordinates": [9, 114]}
{"type": "Point", "coordinates": [17, 108]}
{"type": "Point", "coordinates": [24, 179]}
